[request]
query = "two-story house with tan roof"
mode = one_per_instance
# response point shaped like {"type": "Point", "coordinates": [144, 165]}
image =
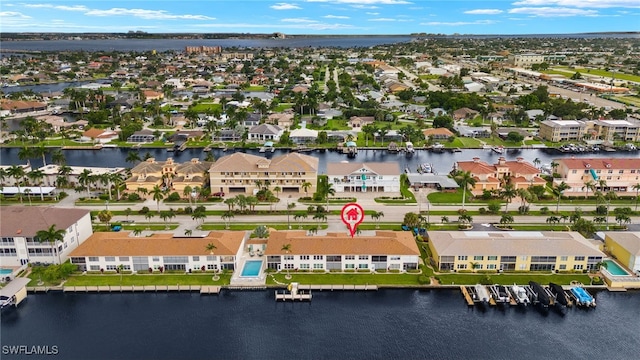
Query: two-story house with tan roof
{"type": "Point", "coordinates": [437, 133]}
{"type": "Point", "coordinates": [241, 173]}
{"type": "Point", "coordinates": [175, 176]}
{"type": "Point", "coordinates": [520, 173]}
{"type": "Point", "coordinates": [386, 250]}
{"type": "Point", "coordinates": [363, 177]}
{"type": "Point", "coordinates": [105, 251]}
{"type": "Point", "coordinates": [619, 174]}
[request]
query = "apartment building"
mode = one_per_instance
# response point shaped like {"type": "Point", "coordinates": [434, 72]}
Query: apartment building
{"type": "Point", "coordinates": [363, 177]}
{"type": "Point", "coordinates": [562, 130]}
{"type": "Point", "coordinates": [519, 173]}
{"type": "Point", "coordinates": [616, 174]}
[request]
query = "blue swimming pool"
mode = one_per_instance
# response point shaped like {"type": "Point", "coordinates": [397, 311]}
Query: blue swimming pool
{"type": "Point", "coordinates": [5, 272]}
{"type": "Point", "coordinates": [251, 268]}
{"type": "Point", "coordinates": [614, 269]}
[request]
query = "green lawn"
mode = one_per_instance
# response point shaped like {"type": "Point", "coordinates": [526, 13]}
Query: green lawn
{"type": "Point", "coordinates": [257, 88]}
{"type": "Point", "coordinates": [282, 107]}
{"type": "Point", "coordinates": [159, 279]}
{"type": "Point", "coordinates": [204, 107]}
{"type": "Point", "coordinates": [609, 74]}
{"type": "Point", "coordinates": [464, 142]}
{"type": "Point", "coordinates": [346, 279]}
{"type": "Point", "coordinates": [507, 279]}
{"type": "Point", "coordinates": [448, 197]}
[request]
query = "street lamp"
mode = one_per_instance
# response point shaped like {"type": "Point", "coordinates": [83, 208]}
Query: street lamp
{"type": "Point", "coordinates": [288, 213]}
{"type": "Point", "coordinates": [106, 205]}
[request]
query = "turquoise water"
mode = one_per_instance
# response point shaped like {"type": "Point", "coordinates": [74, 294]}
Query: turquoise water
{"type": "Point", "coordinates": [251, 268]}
{"type": "Point", "coordinates": [614, 269]}
{"type": "Point", "coordinates": [5, 271]}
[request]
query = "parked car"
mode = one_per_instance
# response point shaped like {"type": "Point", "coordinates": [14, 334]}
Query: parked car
{"type": "Point", "coordinates": [219, 194]}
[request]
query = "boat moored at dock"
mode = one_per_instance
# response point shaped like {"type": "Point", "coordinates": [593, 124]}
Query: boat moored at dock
{"type": "Point", "coordinates": [520, 294]}
{"type": "Point", "coordinates": [583, 298]}
{"type": "Point", "coordinates": [558, 292]}
{"type": "Point", "coordinates": [482, 295]}
{"type": "Point", "coordinates": [540, 294]}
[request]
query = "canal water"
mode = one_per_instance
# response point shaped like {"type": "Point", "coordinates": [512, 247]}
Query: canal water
{"type": "Point", "coordinates": [442, 162]}
{"type": "Point", "coordinates": [384, 324]}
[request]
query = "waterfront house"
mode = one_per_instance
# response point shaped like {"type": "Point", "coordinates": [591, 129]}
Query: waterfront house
{"type": "Point", "coordinates": [619, 175]}
{"type": "Point", "coordinates": [513, 251]}
{"type": "Point", "coordinates": [241, 173]}
{"type": "Point", "coordinates": [283, 120]}
{"type": "Point", "coordinates": [624, 247]}
{"type": "Point", "coordinates": [437, 134]}
{"type": "Point", "coordinates": [265, 132]}
{"type": "Point", "coordinates": [360, 121]}
{"type": "Point", "coordinates": [142, 136]}
{"type": "Point", "coordinates": [13, 107]}
{"type": "Point", "coordinates": [19, 225]}
{"type": "Point", "coordinates": [52, 173]}
{"type": "Point", "coordinates": [520, 173]}
{"type": "Point", "coordinates": [169, 174]}
{"type": "Point", "coordinates": [303, 136]}
{"type": "Point", "coordinates": [386, 250]}
{"type": "Point", "coordinates": [101, 136]}
{"type": "Point", "coordinates": [363, 177]}
{"type": "Point", "coordinates": [105, 251]}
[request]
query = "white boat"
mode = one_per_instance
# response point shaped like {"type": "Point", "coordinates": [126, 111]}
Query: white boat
{"type": "Point", "coordinates": [409, 147]}
{"type": "Point", "coordinates": [498, 149]}
{"type": "Point", "coordinates": [482, 293]}
{"type": "Point", "coordinates": [520, 294]}
{"type": "Point", "coordinates": [425, 168]}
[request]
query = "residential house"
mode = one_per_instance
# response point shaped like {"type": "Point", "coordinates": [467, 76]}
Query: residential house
{"type": "Point", "coordinates": [464, 113]}
{"type": "Point", "coordinates": [363, 177]}
{"type": "Point", "coordinates": [265, 132]}
{"type": "Point", "coordinates": [386, 250]}
{"type": "Point", "coordinates": [150, 95]}
{"type": "Point", "coordinates": [241, 173]}
{"type": "Point", "coordinates": [303, 136]}
{"type": "Point", "coordinates": [562, 130]}
{"type": "Point", "coordinates": [624, 246]}
{"type": "Point", "coordinates": [360, 121]}
{"type": "Point", "coordinates": [159, 252]}
{"type": "Point", "coordinates": [227, 135]}
{"type": "Point", "coordinates": [58, 123]}
{"type": "Point", "coordinates": [618, 174]}
{"type": "Point", "coordinates": [513, 251]}
{"type": "Point", "coordinates": [252, 119]}
{"type": "Point", "coordinates": [20, 225]}
{"type": "Point", "coordinates": [21, 106]}
{"type": "Point", "coordinates": [283, 120]}
{"type": "Point", "coordinates": [52, 173]}
{"type": "Point", "coordinates": [437, 133]}
{"type": "Point", "coordinates": [474, 131]}
{"type": "Point", "coordinates": [169, 174]}
{"type": "Point", "coordinates": [142, 136]}
{"type": "Point", "coordinates": [101, 136]}
{"type": "Point", "coordinates": [519, 173]}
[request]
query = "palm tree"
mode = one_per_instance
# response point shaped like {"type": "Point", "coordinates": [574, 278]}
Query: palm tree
{"type": "Point", "coordinates": [137, 232]}
{"type": "Point", "coordinates": [36, 177]}
{"type": "Point", "coordinates": [290, 206]}
{"type": "Point", "coordinates": [465, 178]}
{"type": "Point", "coordinates": [226, 217]}
{"type": "Point", "coordinates": [557, 191]}
{"type": "Point", "coordinates": [329, 191]}
{"type": "Point", "coordinates": [554, 165]}
{"type": "Point", "coordinates": [286, 248]}
{"type": "Point", "coordinates": [636, 187]}
{"type": "Point", "coordinates": [306, 185]}
{"type": "Point", "coordinates": [300, 217]}
{"type": "Point", "coordinates": [536, 162]}
{"type": "Point", "coordinates": [149, 216]}
{"type": "Point", "coordinates": [588, 185]}
{"type": "Point", "coordinates": [376, 215]}
{"type": "Point", "coordinates": [158, 195]}
{"type": "Point", "coordinates": [197, 216]}
{"type": "Point", "coordinates": [508, 193]}
{"type": "Point", "coordinates": [57, 157]}
{"type": "Point", "coordinates": [187, 193]}
{"type": "Point", "coordinates": [84, 179]}
{"type": "Point", "coordinates": [444, 219]}
{"type": "Point", "coordinates": [17, 172]}
{"type": "Point", "coordinates": [28, 192]}
{"type": "Point", "coordinates": [51, 235]}
{"type": "Point", "coordinates": [133, 157]}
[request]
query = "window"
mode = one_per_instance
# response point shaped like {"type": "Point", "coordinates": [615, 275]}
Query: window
{"type": "Point", "coordinates": [579, 258]}
{"type": "Point", "coordinates": [155, 258]}
{"type": "Point", "coordinates": [394, 266]}
{"type": "Point", "coordinates": [111, 267]}
{"type": "Point", "coordinates": [349, 266]}
{"type": "Point", "coordinates": [304, 266]}
{"type": "Point", "coordinates": [461, 266]}
{"type": "Point", "coordinates": [574, 171]}
{"type": "Point", "coordinates": [363, 266]}
{"type": "Point", "coordinates": [491, 267]}
{"type": "Point", "coordinates": [94, 268]}
{"type": "Point", "coordinates": [211, 258]}
{"type": "Point", "coordinates": [211, 267]}
{"type": "Point", "coordinates": [578, 267]}
{"type": "Point", "coordinates": [304, 257]}
{"type": "Point", "coordinates": [478, 258]}
{"type": "Point", "coordinates": [492, 258]}
{"type": "Point", "coordinates": [462, 258]}
{"type": "Point", "coordinates": [349, 257]}
{"type": "Point", "coordinates": [110, 258]}
{"type": "Point", "coordinates": [288, 257]}
{"type": "Point", "coordinates": [93, 258]}
{"type": "Point", "coordinates": [318, 257]}
{"type": "Point", "coordinates": [564, 258]}
{"type": "Point", "coordinates": [123, 258]}
{"type": "Point", "coordinates": [363, 257]}
{"type": "Point", "coordinates": [288, 266]}
{"type": "Point", "coordinates": [523, 258]}
{"type": "Point", "coordinates": [563, 267]}
{"type": "Point", "coordinates": [318, 266]}
{"type": "Point", "coordinates": [196, 258]}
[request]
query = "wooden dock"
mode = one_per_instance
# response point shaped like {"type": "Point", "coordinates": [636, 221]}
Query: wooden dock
{"type": "Point", "coordinates": [339, 287]}
{"type": "Point", "coordinates": [204, 290]}
{"type": "Point", "coordinates": [467, 296]}
{"type": "Point", "coordinates": [283, 296]}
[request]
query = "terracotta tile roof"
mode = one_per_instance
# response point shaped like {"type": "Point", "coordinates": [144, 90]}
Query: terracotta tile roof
{"type": "Point", "coordinates": [20, 104]}
{"type": "Point", "coordinates": [473, 167]}
{"type": "Point", "coordinates": [241, 162]}
{"type": "Point", "coordinates": [383, 243]}
{"type": "Point", "coordinates": [162, 244]}
{"type": "Point", "coordinates": [601, 163]}
{"type": "Point", "coordinates": [437, 131]}
{"type": "Point", "coordinates": [27, 221]}
{"type": "Point", "coordinates": [481, 167]}
{"type": "Point", "coordinates": [341, 169]}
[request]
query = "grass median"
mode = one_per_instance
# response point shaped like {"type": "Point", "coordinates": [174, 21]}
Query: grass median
{"type": "Point", "coordinates": [142, 280]}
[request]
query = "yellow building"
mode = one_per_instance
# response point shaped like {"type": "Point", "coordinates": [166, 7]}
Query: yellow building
{"type": "Point", "coordinates": [241, 173]}
{"type": "Point", "coordinates": [512, 251]}
{"type": "Point", "coordinates": [625, 247]}
{"type": "Point", "coordinates": [169, 174]}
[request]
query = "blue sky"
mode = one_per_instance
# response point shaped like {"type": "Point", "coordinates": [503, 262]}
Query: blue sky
{"type": "Point", "coordinates": [322, 16]}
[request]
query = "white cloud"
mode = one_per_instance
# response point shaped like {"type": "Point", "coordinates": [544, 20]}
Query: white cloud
{"type": "Point", "coordinates": [57, 7]}
{"type": "Point", "coordinates": [459, 23]}
{"type": "Point", "coordinates": [299, 20]}
{"type": "Point", "coordinates": [365, 7]}
{"type": "Point", "coordinates": [373, 13]}
{"type": "Point", "coordinates": [365, 2]}
{"type": "Point", "coordinates": [285, 6]}
{"type": "Point", "coordinates": [145, 14]}
{"type": "Point", "coordinates": [276, 27]}
{"type": "Point", "coordinates": [335, 17]}
{"type": "Point", "coordinates": [552, 12]}
{"type": "Point", "coordinates": [382, 19]}
{"type": "Point", "coordinates": [581, 3]}
{"type": "Point", "coordinates": [5, 15]}
{"type": "Point", "coordinates": [484, 12]}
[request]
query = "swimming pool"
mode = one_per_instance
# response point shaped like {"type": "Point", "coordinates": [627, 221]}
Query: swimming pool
{"type": "Point", "coordinates": [251, 268]}
{"type": "Point", "coordinates": [614, 269]}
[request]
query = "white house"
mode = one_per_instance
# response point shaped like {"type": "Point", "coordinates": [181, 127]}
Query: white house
{"type": "Point", "coordinates": [303, 136]}
{"type": "Point", "coordinates": [386, 250]}
{"type": "Point", "coordinates": [159, 252]}
{"type": "Point", "coordinates": [19, 244]}
{"type": "Point", "coordinates": [265, 132]}
{"type": "Point", "coordinates": [363, 177]}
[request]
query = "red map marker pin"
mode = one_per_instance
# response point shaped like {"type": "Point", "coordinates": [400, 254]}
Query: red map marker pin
{"type": "Point", "coordinates": [352, 215]}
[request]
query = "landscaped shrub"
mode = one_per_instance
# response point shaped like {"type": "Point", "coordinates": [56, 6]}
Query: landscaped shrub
{"type": "Point", "coordinates": [424, 279]}
{"type": "Point", "coordinates": [523, 209]}
{"type": "Point", "coordinates": [494, 207]}
{"type": "Point", "coordinates": [103, 197]}
{"type": "Point", "coordinates": [174, 196]}
{"type": "Point", "coordinates": [482, 210]}
{"type": "Point", "coordinates": [144, 210]}
{"type": "Point", "coordinates": [133, 197]}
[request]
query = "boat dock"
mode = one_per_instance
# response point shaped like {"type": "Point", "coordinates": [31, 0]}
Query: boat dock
{"type": "Point", "coordinates": [339, 287]}
{"type": "Point", "coordinates": [293, 293]}
{"type": "Point", "coordinates": [204, 289]}
{"type": "Point", "coordinates": [471, 298]}
{"type": "Point", "coordinates": [14, 292]}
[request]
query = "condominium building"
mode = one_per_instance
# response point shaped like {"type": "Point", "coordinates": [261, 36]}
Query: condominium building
{"type": "Point", "coordinates": [605, 174]}
{"type": "Point", "coordinates": [513, 251]}
{"type": "Point", "coordinates": [106, 251]}
{"type": "Point", "coordinates": [625, 247]}
{"type": "Point", "coordinates": [386, 250]}
{"type": "Point", "coordinates": [519, 173]}
{"type": "Point", "coordinates": [245, 173]}
{"type": "Point", "coordinates": [18, 228]}
{"type": "Point", "coordinates": [363, 177]}
{"type": "Point", "coordinates": [169, 174]}
{"type": "Point", "coordinates": [610, 130]}
{"type": "Point", "coordinates": [562, 130]}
